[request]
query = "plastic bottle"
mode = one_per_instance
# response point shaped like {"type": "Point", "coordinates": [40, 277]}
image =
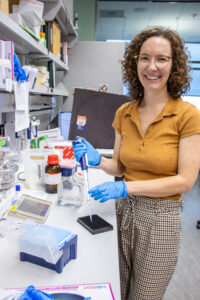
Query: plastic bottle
{"type": "Point", "coordinates": [52, 174]}
{"type": "Point", "coordinates": [17, 194]}
{"type": "Point", "coordinates": [72, 188]}
{"type": "Point", "coordinates": [43, 39]}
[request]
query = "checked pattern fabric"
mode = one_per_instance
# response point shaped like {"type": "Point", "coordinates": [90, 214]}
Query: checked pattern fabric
{"type": "Point", "coordinates": [149, 234]}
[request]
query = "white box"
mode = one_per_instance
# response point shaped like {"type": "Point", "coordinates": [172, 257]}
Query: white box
{"type": "Point", "coordinates": [64, 120]}
{"type": "Point", "coordinates": [2, 56]}
{"type": "Point", "coordinates": [9, 53]}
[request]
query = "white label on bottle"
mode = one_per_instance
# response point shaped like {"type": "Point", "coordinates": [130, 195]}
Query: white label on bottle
{"type": "Point", "coordinates": [52, 178]}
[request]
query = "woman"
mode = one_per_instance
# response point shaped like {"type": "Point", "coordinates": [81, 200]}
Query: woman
{"type": "Point", "coordinates": [157, 142]}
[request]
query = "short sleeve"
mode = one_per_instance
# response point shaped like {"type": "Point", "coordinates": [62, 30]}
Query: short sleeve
{"type": "Point", "coordinates": [119, 116]}
{"type": "Point", "coordinates": [116, 122]}
{"type": "Point", "coordinates": [190, 122]}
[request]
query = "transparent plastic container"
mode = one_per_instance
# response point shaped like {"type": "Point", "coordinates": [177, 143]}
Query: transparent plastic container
{"type": "Point", "coordinates": [47, 246]}
{"type": "Point", "coordinates": [41, 242]}
{"type": "Point", "coordinates": [8, 167]}
{"type": "Point", "coordinates": [72, 188]}
{"type": "Point", "coordinates": [35, 161]}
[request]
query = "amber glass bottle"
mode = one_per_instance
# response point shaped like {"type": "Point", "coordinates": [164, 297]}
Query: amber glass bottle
{"type": "Point", "coordinates": [52, 174]}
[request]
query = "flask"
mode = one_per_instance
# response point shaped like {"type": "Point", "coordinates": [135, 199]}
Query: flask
{"type": "Point", "coordinates": [72, 188]}
{"type": "Point", "coordinates": [43, 39]}
{"type": "Point", "coordinates": [52, 174]}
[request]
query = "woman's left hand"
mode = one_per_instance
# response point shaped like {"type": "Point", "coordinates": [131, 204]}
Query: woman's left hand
{"type": "Point", "coordinates": [109, 190]}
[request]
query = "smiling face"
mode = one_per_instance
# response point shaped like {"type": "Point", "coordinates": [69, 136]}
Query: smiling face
{"type": "Point", "coordinates": [153, 72]}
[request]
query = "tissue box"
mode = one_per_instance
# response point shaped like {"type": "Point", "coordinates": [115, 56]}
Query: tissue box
{"type": "Point", "coordinates": [9, 52]}
{"type": "Point", "coordinates": [2, 56]}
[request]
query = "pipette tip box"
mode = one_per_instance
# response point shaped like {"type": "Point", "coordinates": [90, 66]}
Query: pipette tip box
{"type": "Point", "coordinates": [45, 253]}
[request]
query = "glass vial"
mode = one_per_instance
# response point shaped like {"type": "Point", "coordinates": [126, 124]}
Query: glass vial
{"type": "Point", "coordinates": [52, 174]}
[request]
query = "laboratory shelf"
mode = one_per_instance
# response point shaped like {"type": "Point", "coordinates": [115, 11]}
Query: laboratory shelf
{"type": "Point", "coordinates": [39, 89]}
{"type": "Point", "coordinates": [55, 9]}
{"type": "Point", "coordinates": [43, 90]}
{"type": "Point", "coordinates": [24, 43]}
{"type": "Point", "coordinates": [59, 65]}
{"type": "Point", "coordinates": [3, 86]}
{"type": "Point", "coordinates": [37, 109]}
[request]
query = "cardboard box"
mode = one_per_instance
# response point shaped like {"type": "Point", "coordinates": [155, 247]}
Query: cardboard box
{"type": "Point", "coordinates": [4, 6]}
{"type": "Point", "coordinates": [11, 3]}
{"type": "Point", "coordinates": [55, 46]}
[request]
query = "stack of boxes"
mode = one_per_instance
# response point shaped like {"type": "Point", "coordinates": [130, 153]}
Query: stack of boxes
{"type": "Point", "coordinates": [4, 7]}
{"type": "Point", "coordinates": [6, 60]}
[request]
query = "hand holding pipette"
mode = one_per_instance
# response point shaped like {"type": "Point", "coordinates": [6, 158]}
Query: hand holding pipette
{"type": "Point", "coordinates": [84, 147]}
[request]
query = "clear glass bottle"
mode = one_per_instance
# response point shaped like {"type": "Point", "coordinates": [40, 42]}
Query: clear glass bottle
{"type": "Point", "coordinates": [72, 188]}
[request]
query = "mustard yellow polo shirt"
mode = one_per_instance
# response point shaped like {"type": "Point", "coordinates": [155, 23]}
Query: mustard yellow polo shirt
{"type": "Point", "coordinates": [156, 154]}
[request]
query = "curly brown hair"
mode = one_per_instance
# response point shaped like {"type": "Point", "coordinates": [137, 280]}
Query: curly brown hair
{"type": "Point", "coordinates": [179, 79]}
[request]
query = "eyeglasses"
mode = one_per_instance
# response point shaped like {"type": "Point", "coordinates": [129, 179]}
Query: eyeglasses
{"type": "Point", "coordinates": [161, 61]}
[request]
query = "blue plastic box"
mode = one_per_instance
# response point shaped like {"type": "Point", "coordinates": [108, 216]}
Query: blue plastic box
{"type": "Point", "coordinates": [66, 243]}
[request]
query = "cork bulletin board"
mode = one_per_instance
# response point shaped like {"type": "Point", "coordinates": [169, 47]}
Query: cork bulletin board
{"type": "Point", "coordinates": [92, 116]}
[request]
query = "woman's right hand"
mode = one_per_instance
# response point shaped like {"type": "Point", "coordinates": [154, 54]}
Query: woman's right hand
{"type": "Point", "coordinates": [84, 147]}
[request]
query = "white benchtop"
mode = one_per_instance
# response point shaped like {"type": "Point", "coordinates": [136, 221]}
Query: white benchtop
{"type": "Point", "coordinates": [97, 255]}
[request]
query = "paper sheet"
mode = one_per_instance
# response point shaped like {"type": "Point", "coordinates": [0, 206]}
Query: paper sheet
{"type": "Point", "coordinates": [21, 91]}
{"type": "Point", "coordinates": [21, 120]}
{"type": "Point", "coordinates": [97, 291]}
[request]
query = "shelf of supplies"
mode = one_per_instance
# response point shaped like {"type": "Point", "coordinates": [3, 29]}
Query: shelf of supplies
{"type": "Point", "coordinates": [38, 89]}
{"type": "Point", "coordinates": [3, 86]}
{"type": "Point", "coordinates": [59, 64]}
{"type": "Point", "coordinates": [55, 9]}
{"type": "Point", "coordinates": [37, 109]}
{"type": "Point", "coordinates": [43, 90]}
{"type": "Point", "coordinates": [24, 43]}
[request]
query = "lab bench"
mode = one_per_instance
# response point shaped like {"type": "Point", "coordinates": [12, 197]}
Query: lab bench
{"type": "Point", "coordinates": [97, 255]}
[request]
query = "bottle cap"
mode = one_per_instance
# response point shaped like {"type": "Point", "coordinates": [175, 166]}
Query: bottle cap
{"type": "Point", "coordinates": [53, 159]}
{"type": "Point", "coordinates": [17, 187]}
{"type": "Point", "coordinates": [68, 171]}
{"type": "Point", "coordinates": [42, 34]}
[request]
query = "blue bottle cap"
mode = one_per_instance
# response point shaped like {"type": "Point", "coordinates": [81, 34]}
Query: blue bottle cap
{"type": "Point", "coordinates": [68, 171]}
{"type": "Point", "coordinates": [17, 187]}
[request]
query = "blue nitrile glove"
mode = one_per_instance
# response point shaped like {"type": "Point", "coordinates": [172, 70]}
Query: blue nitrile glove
{"type": "Point", "coordinates": [20, 74]}
{"type": "Point", "coordinates": [33, 294]}
{"type": "Point", "coordinates": [93, 155]}
{"type": "Point", "coordinates": [109, 190]}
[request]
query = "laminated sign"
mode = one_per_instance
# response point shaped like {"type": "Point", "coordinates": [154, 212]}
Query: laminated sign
{"type": "Point", "coordinates": [81, 122]}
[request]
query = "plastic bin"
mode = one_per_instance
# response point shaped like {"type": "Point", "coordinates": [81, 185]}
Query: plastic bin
{"type": "Point", "coordinates": [48, 246]}
{"type": "Point", "coordinates": [35, 161]}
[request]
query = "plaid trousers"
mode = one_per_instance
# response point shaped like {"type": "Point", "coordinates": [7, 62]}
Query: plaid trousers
{"type": "Point", "coordinates": [149, 234]}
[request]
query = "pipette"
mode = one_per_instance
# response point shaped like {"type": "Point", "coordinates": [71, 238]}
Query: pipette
{"type": "Point", "coordinates": [84, 168]}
